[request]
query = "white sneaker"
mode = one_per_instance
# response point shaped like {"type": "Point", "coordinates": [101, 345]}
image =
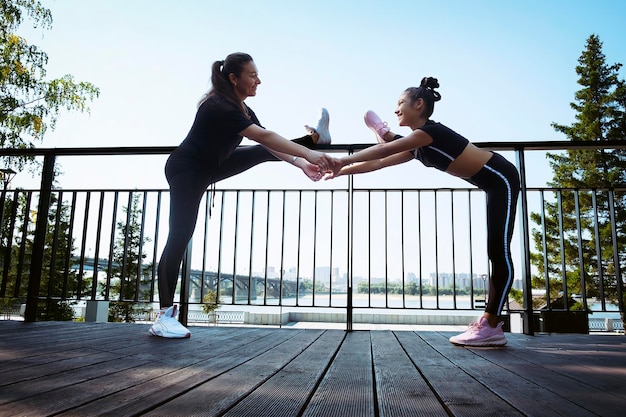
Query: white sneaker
{"type": "Point", "coordinates": [322, 128]}
{"type": "Point", "coordinates": [166, 325]}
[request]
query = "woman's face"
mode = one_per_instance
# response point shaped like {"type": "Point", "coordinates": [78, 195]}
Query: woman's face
{"type": "Point", "coordinates": [405, 111]}
{"type": "Point", "coordinates": [245, 85]}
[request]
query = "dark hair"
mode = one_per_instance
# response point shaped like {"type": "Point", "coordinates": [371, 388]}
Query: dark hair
{"type": "Point", "coordinates": [425, 91]}
{"type": "Point", "coordinates": [221, 86]}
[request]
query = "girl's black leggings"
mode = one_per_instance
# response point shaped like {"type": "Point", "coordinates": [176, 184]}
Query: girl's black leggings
{"type": "Point", "coordinates": [500, 180]}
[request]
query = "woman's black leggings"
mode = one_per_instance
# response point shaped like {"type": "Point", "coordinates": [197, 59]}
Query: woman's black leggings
{"type": "Point", "coordinates": [500, 180]}
{"type": "Point", "coordinates": [188, 183]}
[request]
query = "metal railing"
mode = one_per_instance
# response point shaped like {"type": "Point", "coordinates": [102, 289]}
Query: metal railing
{"type": "Point", "coordinates": [347, 248]}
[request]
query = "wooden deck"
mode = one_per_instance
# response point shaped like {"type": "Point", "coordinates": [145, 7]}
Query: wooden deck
{"type": "Point", "coordinates": [89, 369]}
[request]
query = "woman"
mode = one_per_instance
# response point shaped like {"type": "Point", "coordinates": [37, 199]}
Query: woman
{"type": "Point", "coordinates": [438, 146]}
{"type": "Point", "coordinates": [211, 152]}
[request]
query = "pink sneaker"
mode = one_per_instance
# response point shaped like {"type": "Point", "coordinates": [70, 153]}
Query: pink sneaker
{"type": "Point", "coordinates": [377, 125]}
{"type": "Point", "coordinates": [481, 334]}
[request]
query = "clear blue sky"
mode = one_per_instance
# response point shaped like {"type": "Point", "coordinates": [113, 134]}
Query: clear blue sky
{"type": "Point", "coordinates": [506, 69]}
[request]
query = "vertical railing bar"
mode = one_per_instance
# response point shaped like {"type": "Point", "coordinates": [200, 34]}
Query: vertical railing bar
{"type": "Point", "coordinates": [453, 251]}
{"type": "Point", "coordinates": [471, 248]}
{"type": "Point", "coordinates": [596, 231]}
{"type": "Point", "coordinates": [205, 245]}
{"type": "Point", "coordinates": [369, 248]}
{"type": "Point", "coordinates": [544, 245]}
{"type": "Point", "coordinates": [314, 250]}
{"type": "Point", "coordinates": [55, 247]}
{"type": "Point", "coordinates": [350, 251]}
{"type": "Point", "coordinates": [419, 241]}
{"type": "Point", "coordinates": [155, 250]}
{"type": "Point", "coordinates": [282, 255]}
{"type": "Point", "coordinates": [616, 258]}
{"type": "Point", "coordinates": [267, 236]}
{"type": "Point", "coordinates": [386, 243]}
{"type": "Point", "coordinates": [218, 276]}
{"type": "Point", "coordinates": [298, 248]}
{"type": "Point", "coordinates": [402, 260]}
{"type": "Point", "coordinates": [83, 243]}
{"type": "Point", "coordinates": [529, 325]}
{"type": "Point", "coordinates": [562, 246]}
{"type": "Point", "coordinates": [251, 283]}
{"type": "Point", "coordinates": [235, 246]}
{"type": "Point", "coordinates": [70, 234]}
{"type": "Point", "coordinates": [141, 239]}
{"type": "Point", "coordinates": [221, 247]}
{"type": "Point", "coordinates": [39, 241]}
{"type": "Point", "coordinates": [330, 248]}
{"type": "Point", "coordinates": [581, 260]}
{"type": "Point", "coordinates": [24, 239]}
{"type": "Point", "coordinates": [436, 252]}
{"type": "Point", "coordinates": [94, 278]}
{"type": "Point", "coordinates": [123, 276]}
{"type": "Point", "coordinates": [116, 197]}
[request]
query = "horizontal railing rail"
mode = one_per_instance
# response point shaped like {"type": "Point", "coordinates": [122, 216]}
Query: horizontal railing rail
{"type": "Point", "coordinates": [348, 248]}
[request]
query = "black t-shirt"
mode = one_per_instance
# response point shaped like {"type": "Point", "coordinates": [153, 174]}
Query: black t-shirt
{"type": "Point", "coordinates": [215, 132]}
{"type": "Point", "coordinates": [446, 146]}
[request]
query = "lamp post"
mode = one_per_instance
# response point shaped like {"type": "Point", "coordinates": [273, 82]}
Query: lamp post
{"type": "Point", "coordinates": [6, 175]}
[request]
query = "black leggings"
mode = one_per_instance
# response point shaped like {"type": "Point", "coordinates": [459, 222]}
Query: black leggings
{"type": "Point", "coordinates": [500, 180]}
{"type": "Point", "coordinates": [188, 182]}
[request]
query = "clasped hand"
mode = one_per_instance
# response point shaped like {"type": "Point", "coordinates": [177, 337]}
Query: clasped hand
{"type": "Point", "coordinates": [325, 166]}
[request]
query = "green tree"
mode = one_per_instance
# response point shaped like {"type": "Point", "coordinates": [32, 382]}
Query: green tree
{"type": "Point", "coordinates": [58, 280]}
{"type": "Point", "coordinates": [29, 103]}
{"type": "Point", "coordinates": [586, 256]}
{"type": "Point", "coordinates": [131, 276]}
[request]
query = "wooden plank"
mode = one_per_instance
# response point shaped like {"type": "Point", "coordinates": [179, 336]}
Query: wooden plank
{"type": "Point", "coordinates": [401, 389]}
{"type": "Point", "coordinates": [460, 392]}
{"type": "Point", "coordinates": [167, 381]}
{"type": "Point", "coordinates": [347, 387]}
{"type": "Point", "coordinates": [563, 373]}
{"type": "Point", "coordinates": [526, 395]}
{"type": "Point", "coordinates": [116, 376]}
{"type": "Point", "coordinates": [214, 397]}
{"type": "Point", "coordinates": [286, 393]}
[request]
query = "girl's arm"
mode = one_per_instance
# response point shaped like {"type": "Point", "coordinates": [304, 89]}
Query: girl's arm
{"type": "Point", "coordinates": [414, 140]}
{"type": "Point", "coordinates": [369, 166]}
{"type": "Point", "coordinates": [382, 155]}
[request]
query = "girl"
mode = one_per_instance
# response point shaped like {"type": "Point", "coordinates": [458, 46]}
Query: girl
{"type": "Point", "coordinates": [438, 146]}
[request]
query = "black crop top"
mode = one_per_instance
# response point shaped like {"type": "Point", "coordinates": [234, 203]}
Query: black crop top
{"type": "Point", "coordinates": [446, 146]}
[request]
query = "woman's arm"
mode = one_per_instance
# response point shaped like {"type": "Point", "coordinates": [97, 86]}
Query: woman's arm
{"type": "Point", "coordinates": [310, 170]}
{"type": "Point", "coordinates": [273, 141]}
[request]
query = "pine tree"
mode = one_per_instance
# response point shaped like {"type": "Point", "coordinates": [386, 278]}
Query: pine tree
{"type": "Point", "coordinates": [572, 245]}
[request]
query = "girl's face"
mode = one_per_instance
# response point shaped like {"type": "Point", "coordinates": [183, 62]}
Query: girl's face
{"type": "Point", "coordinates": [246, 84]}
{"type": "Point", "coordinates": [406, 112]}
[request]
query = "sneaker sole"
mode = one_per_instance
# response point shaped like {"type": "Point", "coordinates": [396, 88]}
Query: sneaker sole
{"type": "Point", "coordinates": [153, 333]}
{"type": "Point", "coordinates": [486, 343]}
